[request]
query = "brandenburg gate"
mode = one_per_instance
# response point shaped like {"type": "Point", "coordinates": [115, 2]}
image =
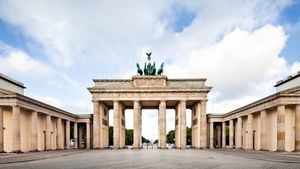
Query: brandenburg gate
{"type": "Point", "coordinates": [149, 90]}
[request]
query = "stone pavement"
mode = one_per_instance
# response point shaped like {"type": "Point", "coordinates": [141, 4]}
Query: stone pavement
{"type": "Point", "coordinates": [285, 157]}
{"type": "Point", "coordinates": [155, 158]}
{"type": "Point", "coordinates": [32, 156]}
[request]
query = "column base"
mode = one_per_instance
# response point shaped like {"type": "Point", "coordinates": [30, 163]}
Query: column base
{"type": "Point", "coordinates": [17, 151]}
{"type": "Point", "coordinates": [35, 150]}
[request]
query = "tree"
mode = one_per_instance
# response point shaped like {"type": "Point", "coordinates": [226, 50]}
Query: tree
{"type": "Point", "coordinates": [129, 137]}
{"type": "Point", "coordinates": [144, 140]}
{"type": "Point", "coordinates": [188, 136]}
{"type": "Point", "coordinates": [111, 135]}
{"type": "Point", "coordinates": [171, 137]}
{"type": "Point", "coordinates": [155, 142]}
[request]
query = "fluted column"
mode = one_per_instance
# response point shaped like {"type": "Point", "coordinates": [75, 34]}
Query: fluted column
{"type": "Point", "coordinates": [96, 125]}
{"type": "Point", "coordinates": [117, 122]}
{"type": "Point", "coordinates": [219, 136]}
{"type": "Point", "coordinates": [75, 135]}
{"type": "Point", "coordinates": [231, 134]}
{"type": "Point", "coordinates": [162, 125]}
{"type": "Point", "coordinates": [60, 144]}
{"type": "Point", "coordinates": [88, 136]}
{"type": "Point", "coordinates": [281, 127]}
{"type": "Point", "coordinates": [263, 130]}
{"type": "Point", "coordinates": [68, 134]}
{"type": "Point", "coordinates": [203, 124]}
{"type": "Point", "coordinates": [238, 139]}
{"type": "Point", "coordinates": [48, 132]}
{"type": "Point", "coordinates": [16, 132]}
{"type": "Point", "coordinates": [34, 131]}
{"type": "Point", "coordinates": [250, 132]}
{"type": "Point", "coordinates": [137, 126]}
{"type": "Point", "coordinates": [211, 135]}
{"type": "Point", "coordinates": [101, 136]}
{"type": "Point", "coordinates": [290, 131]}
{"type": "Point", "coordinates": [297, 127]}
{"type": "Point", "coordinates": [198, 128]}
{"type": "Point", "coordinates": [182, 124]}
{"type": "Point", "coordinates": [1, 131]}
{"type": "Point", "coordinates": [80, 136]}
{"type": "Point", "coordinates": [224, 134]}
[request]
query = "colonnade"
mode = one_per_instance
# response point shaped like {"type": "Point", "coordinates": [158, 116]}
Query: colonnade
{"type": "Point", "coordinates": [274, 129]}
{"type": "Point", "coordinates": [100, 124]}
{"type": "Point", "coordinates": [23, 130]}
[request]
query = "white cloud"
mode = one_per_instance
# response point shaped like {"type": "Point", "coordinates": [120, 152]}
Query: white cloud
{"type": "Point", "coordinates": [49, 100]}
{"type": "Point", "coordinates": [241, 67]}
{"type": "Point", "coordinates": [295, 68]}
{"type": "Point", "coordinates": [18, 62]}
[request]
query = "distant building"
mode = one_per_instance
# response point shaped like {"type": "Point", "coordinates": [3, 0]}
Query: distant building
{"type": "Point", "coordinates": [289, 82]}
{"type": "Point", "coordinates": [10, 84]}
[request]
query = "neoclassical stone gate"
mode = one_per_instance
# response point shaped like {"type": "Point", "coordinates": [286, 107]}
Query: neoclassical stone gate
{"type": "Point", "coordinates": [149, 92]}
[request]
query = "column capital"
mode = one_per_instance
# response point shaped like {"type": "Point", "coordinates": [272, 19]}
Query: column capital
{"type": "Point", "coordinates": [183, 100]}
{"type": "Point", "coordinates": [203, 100]}
{"type": "Point", "coordinates": [95, 101]}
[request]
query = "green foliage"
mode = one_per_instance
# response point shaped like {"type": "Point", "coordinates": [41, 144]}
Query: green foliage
{"type": "Point", "coordinates": [111, 135]}
{"type": "Point", "coordinates": [188, 136]}
{"type": "Point", "coordinates": [128, 136]}
{"type": "Point", "coordinates": [155, 142]}
{"type": "Point", "coordinates": [171, 137]}
{"type": "Point", "coordinates": [144, 140]}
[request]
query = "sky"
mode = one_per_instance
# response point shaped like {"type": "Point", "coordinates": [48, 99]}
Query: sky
{"type": "Point", "coordinates": [56, 47]}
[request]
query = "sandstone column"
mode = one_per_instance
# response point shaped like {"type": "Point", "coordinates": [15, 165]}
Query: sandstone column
{"type": "Point", "coordinates": [290, 130]}
{"type": "Point", "coordinates": [162, 125]}
{"type": "Point", "coordinates": [263, 129]}
{"type": "Point", "coordinates": [75, 135]}
{"type": "Point", "coordinates": [219, 136]}
{"type": "Point", "coordinates": [198, 128]}
{"type": "Point", "coordinates": [297, 139]}
{"type": "Point", "coordinates": [281, 127]}
{"type": "Point", "coordinates": [231, 134]}
{"type": "Point", "coordinates": [68, 134]}
{"type": "Point", "coordinates": [101, 136]}
{"type": "Point", "coordinates": [1, 131]}
{"type": "Point", "coordinates": [203, 123]}
{"type": "Point", "coordinates": [88, 136]}
{"type": "Point", "coordinates": [238, 139]}
{"type": "Point", "coordinates": [16, 132]}
{"type": "Point", "coordinates": [224, 134]}
{"type": "Point", "coordinates": [177, 125]}
{"type": "Point", "coordinates": [48, 132]}
{"type": "Point", "coordinates": [60, 144]}
{"type": "Point", "coordinates": [182, 124]}
{"type": "Point", "coordinates": [80, 136]}
{"type": "Point", "coordinates": [96, 129]}
{"type": "Point", "coordinates": [211, 135]}
{"type": "Point", "coordinates": [34, 131]}
{"type": "Point", "coordinates": [117, 122]}
{"type": "Point", "coordinates": [250, 132]}
{"type": "Point", "coordinates": [122, 126]}
{"type": "Point", "coordinates": [137, 126]}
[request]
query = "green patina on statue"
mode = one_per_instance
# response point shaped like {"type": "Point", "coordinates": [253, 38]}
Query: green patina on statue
{"type": "Point", "coordinates": [150, 69]}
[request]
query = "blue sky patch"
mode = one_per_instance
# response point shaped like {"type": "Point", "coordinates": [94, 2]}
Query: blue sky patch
{"type": "Point", "coordinates": [179, 17]}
